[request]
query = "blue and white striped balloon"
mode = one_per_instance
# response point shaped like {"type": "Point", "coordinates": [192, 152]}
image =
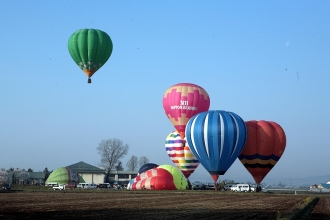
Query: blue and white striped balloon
{"type": "Point", "coordinates": [216, 138]}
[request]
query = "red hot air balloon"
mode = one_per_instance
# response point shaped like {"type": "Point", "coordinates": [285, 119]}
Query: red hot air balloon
{"type": "Point", "coordinates": [264, 146]}
{"type": "Point", "coordinates": [182, 101]}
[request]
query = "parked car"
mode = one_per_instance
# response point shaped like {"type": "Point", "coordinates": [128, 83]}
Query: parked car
{"type": "Point", "coordinates": [228, 187]}
{"type": "Point", "coordinates": [90, 186]}
{"type": "Point", "coordinates": [59, 187]}
{"type": "Point", "coordinates": [196, 187]}
{"type": "Point", "coordinates": [117, 186]}
{"type": "Point", "coordinates": [6, 186]}
{"type": "Point", "coordinates": [86, 185]}
{"type": "Point", "coordinates": [81, 185]}
{"type": "Point", "coordinates": [209, 186]}
{"type": "Point", "coordinates": [242, 188]}
{"type": "Point", "coordinates": [103, 185]}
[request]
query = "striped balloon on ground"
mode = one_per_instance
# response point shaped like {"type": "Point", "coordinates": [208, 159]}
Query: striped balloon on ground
{"type": "Point", "coordinates": [264, 146]}
{"type": "Point", "coordinates": [180, 153]}
{"type": "Point", "coordinates": [216, 138]}
{"type": "Point", "coordinates": [164, 177]}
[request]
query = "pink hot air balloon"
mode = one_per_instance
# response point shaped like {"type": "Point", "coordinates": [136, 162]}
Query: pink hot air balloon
{"type": "Point", "coordinates": [182, 101]}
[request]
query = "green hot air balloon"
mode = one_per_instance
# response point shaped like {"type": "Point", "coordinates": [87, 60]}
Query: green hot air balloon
{"type": "Point", "coordinates": [90, 49]}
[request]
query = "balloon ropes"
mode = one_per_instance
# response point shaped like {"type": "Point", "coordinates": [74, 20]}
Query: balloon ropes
{"type": "Point", "coordinates": [180, 153]}
{"type": "Point", "coordinates": [216, 138]}
{"type": "Point", "coordinates": [182, 101]}
{"type": "Point", "coordinates": [264, 147]}
{"type": "Point", "coordinates": [90, 49]}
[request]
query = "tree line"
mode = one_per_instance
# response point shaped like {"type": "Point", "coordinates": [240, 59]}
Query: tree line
{"type": "Point", "coordinates": [111, 152]}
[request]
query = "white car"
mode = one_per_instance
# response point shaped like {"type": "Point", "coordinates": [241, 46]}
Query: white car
{"type": "Point", "coordinates": [59, 187]}
{"type": "Point", "coordinates": [228, 187]}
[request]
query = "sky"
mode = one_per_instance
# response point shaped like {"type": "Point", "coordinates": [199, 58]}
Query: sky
{"type": "Point", "coordinates": [263, 60]}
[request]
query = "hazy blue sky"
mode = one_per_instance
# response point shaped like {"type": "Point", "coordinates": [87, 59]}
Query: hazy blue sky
{"type": "Point", "coordinates": [263, 60]}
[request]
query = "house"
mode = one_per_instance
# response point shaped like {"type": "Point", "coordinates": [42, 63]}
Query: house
{"type": "Point", "coordinates": [89, 173]}
{"type": "Point", "coordinates": [36, 178]}
{"type": "Point", "coordinates": [121, 177]}
{"type": "Point", "coordinates": [322, 187]}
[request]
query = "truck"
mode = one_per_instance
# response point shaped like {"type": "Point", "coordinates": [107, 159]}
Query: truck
{"type": "Point", "coordinates": [59, 187]}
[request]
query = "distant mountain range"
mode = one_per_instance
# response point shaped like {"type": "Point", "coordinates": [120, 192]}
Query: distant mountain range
{"type": "Point", "coordinates": [311, 180]}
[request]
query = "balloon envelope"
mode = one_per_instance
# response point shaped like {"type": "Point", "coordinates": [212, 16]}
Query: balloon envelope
{"type": "Point", "coordinates": [182, 101]}
{"type": "Point", "coordinates": [90, 49]}
{"type": "Point", "coordinates": [216, 138]}
{"type": "Point", "coordinates": [147, 166]}
{"type": "Point", "coordinates": [180, 153]}
{"type": "Point", "coordinates": [264, 147]}
{"type": "Point", "coordinates": [64, 175]}
{"type": "Point", "coordinates": [164, 177]}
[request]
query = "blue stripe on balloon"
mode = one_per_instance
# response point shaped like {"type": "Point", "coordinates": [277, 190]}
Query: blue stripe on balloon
{"type": "Point", "coordinates": [222, 134]}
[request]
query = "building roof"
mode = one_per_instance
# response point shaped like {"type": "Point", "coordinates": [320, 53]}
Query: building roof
{"type": "Point", "coordinates": [123, 172]}
{"type": "Point", "coordinates": [82, 167]}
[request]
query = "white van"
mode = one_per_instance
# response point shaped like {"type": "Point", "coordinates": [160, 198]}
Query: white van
{"type": "Point", "coordinates": [86, 185]}
{"type": "Point", "coordinates": [242, 188]}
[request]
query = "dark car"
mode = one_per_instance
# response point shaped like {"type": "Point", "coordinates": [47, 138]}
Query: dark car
{"type": "Point", "coordinates": [197, 187]}
{"type": "Point", "coordinates": [103, 185]}
{"type": "Point", "coordinates": [6, 186]}
{"type": "Point", "coordinates": [209, 186]}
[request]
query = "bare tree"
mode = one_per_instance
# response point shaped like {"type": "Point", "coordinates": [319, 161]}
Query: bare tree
{"type": "Point", "coordinates": [3, 176]}
{"type": "Point", "coordinates": [111, 151]}
{"type": "Point", "coordinates": [132, 163]}
{"type": "Point", "coordinates": [119, 166]}
{"type": "Point", "coordinates": [143, 160]}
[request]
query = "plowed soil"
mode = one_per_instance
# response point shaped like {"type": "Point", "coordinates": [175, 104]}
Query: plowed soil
{"type": "Point", "coordinates": [115, 204]}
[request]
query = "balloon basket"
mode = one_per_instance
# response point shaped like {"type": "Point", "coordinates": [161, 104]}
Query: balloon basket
{"type": "Point", "coordinates": [89, 80]}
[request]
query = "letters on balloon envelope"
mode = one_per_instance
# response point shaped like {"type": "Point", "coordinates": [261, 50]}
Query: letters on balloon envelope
{"type": "Point", "coordinates": [182, 101]}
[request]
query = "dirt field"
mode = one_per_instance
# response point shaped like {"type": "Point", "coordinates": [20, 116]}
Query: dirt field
{"type": "Point", "coordinates": [112, 204]}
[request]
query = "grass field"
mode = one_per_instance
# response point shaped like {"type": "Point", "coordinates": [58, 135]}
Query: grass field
{"type": "Point", "coordinates": [45, 203]}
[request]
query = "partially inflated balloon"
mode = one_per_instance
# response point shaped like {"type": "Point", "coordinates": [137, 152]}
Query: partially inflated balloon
{"type": "Point", "coordinates": [90, 49]}
{"type": "Point", "coordinates": [216, 138]}
{"type": "Point", "coordinates": [182, 101]}
{"type": "Point", "coordinates": [154, 183]}
{"type": "Point", "coordinates": [179, 181]}
{"type": "Point", "coordinates": [180, 153]}
{"type": "Point", "coordinates": [164, 177]}
{"type": "Point", "coordinates": [146, 167]}
{"type": "Point", "coordinates": [265, 145]}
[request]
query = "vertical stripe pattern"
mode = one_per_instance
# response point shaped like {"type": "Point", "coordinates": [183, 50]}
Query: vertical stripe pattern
{"type": "Point", "coordinates": [216, 138]}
